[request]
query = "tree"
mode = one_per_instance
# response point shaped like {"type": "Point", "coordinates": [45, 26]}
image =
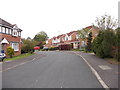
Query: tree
{"type": "Point", "coordinates": [28, 46]}
{"type": "Point", "coordinates": [83, 34]}
{"type": "Point", "coordinates": [89, 42]}
{"type": "Point", "coordinates": [10, 51]}
{"type": "Point", "coordinates": [106, 22]}
{"type": "Point", "coordinates": [97, 45]}
{"type": "Point", "coordinates": [102, 44]}
{"type": "Point", "coordinates": [41, 36]}
{"type": "Point", "coordinates": [116, 47]}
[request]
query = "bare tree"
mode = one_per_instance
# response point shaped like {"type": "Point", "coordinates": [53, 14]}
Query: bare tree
{"type": "Point", "coordinates": [106, 22]}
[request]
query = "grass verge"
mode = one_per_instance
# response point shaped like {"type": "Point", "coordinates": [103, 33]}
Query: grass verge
{"type": "Point", "coordinates": [18, 57]}
{"type": "Point", "coordinates": [112, 61]}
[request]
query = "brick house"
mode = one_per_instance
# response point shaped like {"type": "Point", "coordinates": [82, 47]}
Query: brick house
{"type": "Point", "coordinates": [69, 38]}
{"type": "Point", "coordinates": [72, 38]}
{"type": "Point", "coordinates": [10, 36]}
{"type": "Point", "coordinates": [94, 31]}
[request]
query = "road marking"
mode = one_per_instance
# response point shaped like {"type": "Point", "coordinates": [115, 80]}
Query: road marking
{"type": "Point", "coordinates": [95, 73]}
{"type": "Point", "coordinates": [105, 67]}
{"type": "Point", "coordinates": [18, 65]}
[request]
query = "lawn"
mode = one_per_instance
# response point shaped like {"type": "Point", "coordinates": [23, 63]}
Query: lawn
{"type": "Point", "coordinates": [18, 57]}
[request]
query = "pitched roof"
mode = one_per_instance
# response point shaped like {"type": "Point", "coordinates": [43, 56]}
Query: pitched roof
{"type": "Point", "coordinates": [5, 23]}
{"type": "Point", "coordinates": [89, 27]}
{"type": "Point", "coordinates": [71, 33]}
{"type": "Point", "coordinates": [59, 36]}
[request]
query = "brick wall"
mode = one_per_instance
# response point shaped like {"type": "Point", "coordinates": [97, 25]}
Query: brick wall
{"type": "Point", "coordinates": [10, 38]}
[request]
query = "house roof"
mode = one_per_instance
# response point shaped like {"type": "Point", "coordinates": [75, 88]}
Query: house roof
{"type": "Point", "coordinates": [5, 23]}
{"type": "Point", "coordinates": [59, 36]}
{"type": "Point", "coordinates": [89, 27]}
{"type": "Point", "coordinates": [71, 33]}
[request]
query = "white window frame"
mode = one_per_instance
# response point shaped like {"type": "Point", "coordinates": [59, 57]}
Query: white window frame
{"type": "Point", "coordinates": [15, 33]}
{"type": "Point", "coordinates": [15, 46]}
{"type": "Point", "coordinates": [0, 28]}
{"type": "Point", "coordinates": [3, 29]}
{"type": "Point", "coordinates": [7, 32]}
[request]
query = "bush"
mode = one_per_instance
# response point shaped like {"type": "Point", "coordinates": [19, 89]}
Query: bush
{"type": "Point", "coordinates": [65, 47]}
{"type": "Point", "coordinates": [10, 51]}
{"type": "Point", "coordinates": [102, 44]}
{"type": "Point", "coordinates": [43, 50]}
{"type": "Point", "coordinates": [53, 48]}
{"type": "Point", "coordinates": [89, 43]}
{"type": "Point", "coordinates": [28, 46]}
{"type": "Point", "coordinates": [116, 48]}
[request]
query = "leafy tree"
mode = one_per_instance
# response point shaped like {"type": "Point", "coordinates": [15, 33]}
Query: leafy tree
{"type": "Point", "coordinates": [41, 36]}
{"type": "Point", "coordinates": [10, 51]}
{"type": "Point", "coordinates": [28, 46]}
{"type": "Point", "coordinates": [108, 42]}
{"type": "Point", "coordinates": [97, 45]}
{"type": "Point", "coordinates": [116, 49]}
{"type": "Point", "coordinates": [83, 34]}
{"type": "Point", "coordinates": [106, 39]}
{"type": "Point", "coordinates": [89, 42]}
{"type": "Point", "coordinates": [102, 44]}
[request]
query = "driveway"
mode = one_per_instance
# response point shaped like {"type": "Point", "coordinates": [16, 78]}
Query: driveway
{"type": "Point", "coordinates": [57, 69]}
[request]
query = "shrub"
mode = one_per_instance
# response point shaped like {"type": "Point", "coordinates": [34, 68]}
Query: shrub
{"type": "Point", "coordinates": [102, 44]}
{"type": "Point", "coordinates": [89, 42]}
{"type": "Point", "coordinates": [65, 47]}
{"type": "Point", "coordinates": [43, 50]}
{"type": "Point", "coordinates": [28, 46]}
{"type": "Point", "coordinates": [53, 48]}
{"type": "Point", "coordinates": [10, 51]}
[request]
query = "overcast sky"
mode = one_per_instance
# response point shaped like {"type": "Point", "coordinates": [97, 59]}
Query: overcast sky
{"type": "Point", "coordinates": [55, 16]}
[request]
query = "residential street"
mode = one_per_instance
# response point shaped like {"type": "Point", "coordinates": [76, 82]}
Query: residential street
{"type": "Point", "coordinates": [54, 69]}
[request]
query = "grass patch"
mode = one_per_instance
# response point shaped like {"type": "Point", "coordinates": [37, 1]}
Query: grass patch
{"type": "Point", "coordinates": [18, 57]}
{"type": "Point", "coordinates": [112, 60]}
{"type": "Point", "coordinates": [75, 50]}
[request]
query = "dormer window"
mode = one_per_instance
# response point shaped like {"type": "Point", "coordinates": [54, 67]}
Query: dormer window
{"type": "Point", "coordinates": [15, 31]}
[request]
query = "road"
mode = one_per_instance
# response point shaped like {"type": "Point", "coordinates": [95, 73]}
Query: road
{"type": "Point", "coordinates": [54, 70]}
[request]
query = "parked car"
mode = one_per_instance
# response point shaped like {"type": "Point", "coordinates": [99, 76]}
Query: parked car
{"type": "Point", "coordinates": [2, 56]}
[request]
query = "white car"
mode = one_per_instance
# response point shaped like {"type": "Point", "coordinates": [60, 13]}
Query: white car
{"type": "Point", "coordinates": [2, 56]}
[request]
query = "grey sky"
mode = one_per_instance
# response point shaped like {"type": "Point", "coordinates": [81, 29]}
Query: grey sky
{"type": "Point", "coordinates": [55, 16]}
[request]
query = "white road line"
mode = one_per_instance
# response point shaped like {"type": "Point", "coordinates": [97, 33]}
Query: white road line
{"type": "Point", "coordinates": [95, 73]}
{"type": "Point", "coordinates": [104, 67]}
{"type": "Point", "coordinates": [18, 65]}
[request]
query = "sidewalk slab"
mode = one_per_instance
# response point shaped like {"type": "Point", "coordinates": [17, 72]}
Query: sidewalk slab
{"type": "Point", "coordinates": [108, 72]}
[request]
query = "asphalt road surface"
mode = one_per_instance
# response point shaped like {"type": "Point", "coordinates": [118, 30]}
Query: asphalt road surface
{"type": "Point", "coordinates": [54, 70]}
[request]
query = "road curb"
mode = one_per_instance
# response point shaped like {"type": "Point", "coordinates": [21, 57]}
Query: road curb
{"type": "Point", "coordinates": [95, 73]}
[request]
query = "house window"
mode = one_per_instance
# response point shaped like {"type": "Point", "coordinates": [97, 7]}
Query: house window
{"type": "Point", "coordinates": [15, 46]}
{"type": "Point", "coordinates": [3, 29]}
{"type": "Point", "coordinates": [0, 29]}
{"type": "Point", "coordinates": [10, 31]}
{"type": "Point", "coordinates": [15, 33]}
{"type": "Point", "coordinates": [7, 31]}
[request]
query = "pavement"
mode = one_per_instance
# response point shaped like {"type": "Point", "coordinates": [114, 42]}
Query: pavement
{"type": "Point", "coordinates": [50, 69]}
{"type": "Point", "coordinates": [107, 71]}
